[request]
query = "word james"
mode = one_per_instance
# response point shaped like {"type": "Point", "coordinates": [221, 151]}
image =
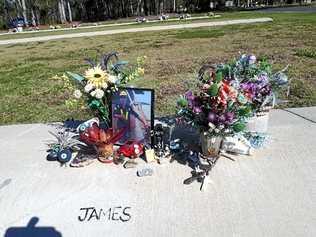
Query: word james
{"type": "Point", "coordinates": [112, 214]}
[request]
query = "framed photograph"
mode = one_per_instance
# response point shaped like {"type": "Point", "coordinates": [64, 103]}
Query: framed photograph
{"type": "Point", "coordinates": [133, 109]}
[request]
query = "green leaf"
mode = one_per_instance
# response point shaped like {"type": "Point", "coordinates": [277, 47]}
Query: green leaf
{"type": "Point", "coordinates": [244, 111]}
{"type": "Point", "coordinates": [182, 102]}
{"type": "Point", "coordinates": [121, 63]}
{"type": "Point", "coordinates": [213, 90]}
{"type": "Point", "coordinates": [239, 126]}
{"type": "Point", "coordinates": [219, 76]}
{"type": "Point", "coordinates": [75, 76]}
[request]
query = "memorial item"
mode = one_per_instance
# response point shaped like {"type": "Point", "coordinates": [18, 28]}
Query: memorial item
{"type": "Point", "coordinates": [150, 155]}
{"type": "Point", "coordinates": [131, 149]}
{"type": "Point", "coordinates": [175, 145]}
{"type": "Point", "coordinates": [95, 86]}
{"type": "Point", "coordinates": [214, 108]}
{"type": "Point", "coordinates": [145, 172]}
{"type": "Point", "coordinates": [200, 175]}
{"type": "Point", "coordinates": [64, 148]}
{"type": "Point", "coordinates": [159, 143]}
{"type": "Point", "coordinates": [237, 145]}
{"type": "Point", "coordinates": [103, 140]}
{"type": "Point", "coordinates": [259, 86]}
{"type": "Point", "coordinates": [133, 109]}
{"type": "Point", "coordinates": [130, 164]}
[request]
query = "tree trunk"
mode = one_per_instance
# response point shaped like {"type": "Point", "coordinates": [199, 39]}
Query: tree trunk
{"type": "Point", "coordinates": [132, 9]}
{"type": "Point", "coordinates": [69, 11]}
{"type": "Point", "coordinates": [33, 18]}
{"type": "Point", "coordinates": [62, 13]}
{"type": "Point", "coordinates": [139, 3]}
{"type": "Point", "coordinates": [24, 12]}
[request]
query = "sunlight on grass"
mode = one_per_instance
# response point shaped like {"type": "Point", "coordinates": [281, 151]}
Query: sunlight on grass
{"type": "Point", "coordinates": [28, 93]}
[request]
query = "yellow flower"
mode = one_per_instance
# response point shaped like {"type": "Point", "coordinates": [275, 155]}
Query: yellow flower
{"type": "Point", "coordinates": [141, 71]}
{"type": "Point", "coordinates": [64, 77]}
{"type": "Point", "coordinates": [97, 77]}
{"type": "Point", "coordinates": [56, 77]}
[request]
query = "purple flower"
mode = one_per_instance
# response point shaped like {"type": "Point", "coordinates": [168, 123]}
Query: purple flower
{"type": "Point", "coordinates": [197, 109]}
{"type": "Point", "coordinates": [252, 59]}
{"type": "Point", "coordinates": [229, 116]}
{"type": "Point", "coordinates": [211, 117]}
{"type": "Point", "coordinates": [189, 95]}
{"type": "Point", "coordinates": [250, 88]}
{"type": "Point", "coordinates": [190, 98]}
{"type": "Point", "coordinates": [222, 119]}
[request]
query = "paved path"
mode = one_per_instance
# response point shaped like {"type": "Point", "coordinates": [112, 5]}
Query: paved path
{"type": "Point", "coordinates": [271, 193]}
{"type": "Point", "coordinates": [130, 30]}
{"type": "Point", "coordinates": [107, 25]}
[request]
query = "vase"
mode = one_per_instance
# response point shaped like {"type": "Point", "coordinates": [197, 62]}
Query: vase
{"type": "Point", "coordinates": [105, 153]}
{"type": "Point", "coordinates": [211, 145]}
{"type": "Point", "coordinates": [258, 123]}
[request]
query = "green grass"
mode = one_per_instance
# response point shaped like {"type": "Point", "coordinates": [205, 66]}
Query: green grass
{"type": "Point", "coordinates": [310, 53]}
{"type": "Point", "coordinates": [29, 94]}
{"type": "Point", "coordinates": [199, 33]}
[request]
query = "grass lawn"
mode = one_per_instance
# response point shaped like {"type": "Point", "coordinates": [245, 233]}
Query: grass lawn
{"type": "Point", "coordinates": [29, 94]}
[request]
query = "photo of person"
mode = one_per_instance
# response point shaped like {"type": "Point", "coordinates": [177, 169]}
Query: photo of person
{"type": "Point", "coordinates": [132, 109]}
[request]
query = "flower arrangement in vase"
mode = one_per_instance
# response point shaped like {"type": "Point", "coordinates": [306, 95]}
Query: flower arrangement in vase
{"type": "Point", "coordinates": [259, 85]}
{"type": "Point", "coordinates": [95, 86]}
{"type": "Point", "coordinates": [217, 108]}
{"type": "Point", "coordinates": [232, 101]}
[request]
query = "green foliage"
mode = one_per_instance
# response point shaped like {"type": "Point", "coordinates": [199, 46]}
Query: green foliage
{"type": "Point", "coordinates": [218, 77]}
{"type": "Point", "coordinates": [182, 102]}
{"type": "Point", "coordinates": [238, 127]}
{"type": "Point", "coordinates": [75, 76]}
{"type": "Point", "coordinates": [213, 90]}
{"type": "Point", "coordinates": [245, 111]}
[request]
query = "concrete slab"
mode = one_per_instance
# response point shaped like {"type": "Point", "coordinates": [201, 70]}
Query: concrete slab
{"type": "Point", "coordinates": [269, 194]}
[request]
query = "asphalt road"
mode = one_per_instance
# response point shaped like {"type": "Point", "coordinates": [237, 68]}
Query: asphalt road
{"type": "Point", "coordinates": [304, 9]}
{"type": "Point", "coordinates": [132, 30]}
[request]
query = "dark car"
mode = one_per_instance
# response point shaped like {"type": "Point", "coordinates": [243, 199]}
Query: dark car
{"type": "Point", "coordinates": [16, 22]}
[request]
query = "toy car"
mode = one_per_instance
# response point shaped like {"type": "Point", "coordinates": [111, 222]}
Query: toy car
{"type": "Point", "coordinates": [59, 154]}
{"type": "Point", "coordinates": [131, 149]}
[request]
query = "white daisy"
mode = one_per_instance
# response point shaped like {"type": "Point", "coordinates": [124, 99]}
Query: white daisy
{"type": "Point", "coordinates": [88, 87]}
{"type": "Point", "coordinates": [77, 94]}
{"type": "Point", "coordinates": [98, 93]}
{"type": "Point", "coordinates": [113, 79]}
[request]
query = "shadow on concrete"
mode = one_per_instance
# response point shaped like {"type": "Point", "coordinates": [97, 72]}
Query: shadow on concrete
{"type": "Point", "coordinates": [32, 231]}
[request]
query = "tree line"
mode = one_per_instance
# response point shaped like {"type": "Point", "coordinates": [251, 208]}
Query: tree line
{"type": "Point", "coordinates": [35, 12]}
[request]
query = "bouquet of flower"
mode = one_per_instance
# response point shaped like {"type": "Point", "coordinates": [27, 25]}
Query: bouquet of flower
{"type": "Point", "coordinates": [229, 96]}
{"type": "Point", "coordinates": [257, 82]}
{"type": "Point", "coordinates": [98, 83]}
{"type": "Point", "coordinates": [217, 107]}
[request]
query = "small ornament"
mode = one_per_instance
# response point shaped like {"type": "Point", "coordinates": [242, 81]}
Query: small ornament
{"type": "Point", "coordinates": [150, 155]}
{"type": "Point", "coordinates": [145, 172]}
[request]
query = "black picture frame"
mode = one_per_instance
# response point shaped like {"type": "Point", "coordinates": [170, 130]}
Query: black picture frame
{"type": "Point", "coordinates": [148, 138]}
